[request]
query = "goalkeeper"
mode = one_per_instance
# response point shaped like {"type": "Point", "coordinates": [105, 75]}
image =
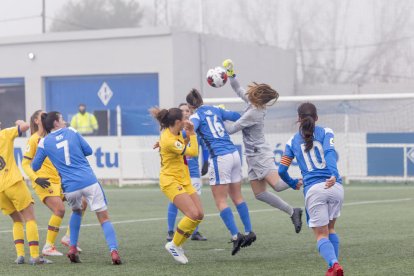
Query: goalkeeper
{"type": "Point", "coordinates": [262, 170]}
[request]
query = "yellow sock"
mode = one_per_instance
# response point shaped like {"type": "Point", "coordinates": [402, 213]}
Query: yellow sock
{"type": "Point", "coordinates": [32, 235]}
{"type": "Point", "coordinates": [68, 231]}
{"type": "Point", "coordinates": [53, 229]}
{"type": "Point", "coordinates": [18, 236]}
{"type": "Point", "coordinates": [185, 228]}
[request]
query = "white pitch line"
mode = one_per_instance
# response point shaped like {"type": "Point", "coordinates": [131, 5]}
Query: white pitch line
{"type": "Point", "coordinates": [217, 214]}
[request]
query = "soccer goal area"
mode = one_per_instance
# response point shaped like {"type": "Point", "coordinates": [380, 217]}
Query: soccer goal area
{"type": "Point", "coordinates": [374, 136]}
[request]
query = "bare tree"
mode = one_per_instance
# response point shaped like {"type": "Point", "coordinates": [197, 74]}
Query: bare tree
{"type": "Point", "coordinates": [97, 14]}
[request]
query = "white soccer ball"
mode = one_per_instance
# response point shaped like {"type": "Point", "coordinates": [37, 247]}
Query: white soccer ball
{"type": "Point", "coordinates": [217, 77]}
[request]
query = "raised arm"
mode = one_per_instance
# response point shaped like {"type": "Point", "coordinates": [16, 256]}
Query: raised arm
{"type": "Point", "coordinates": [249, 118]}
{"type": "Point", "coordinates": [240, 91]}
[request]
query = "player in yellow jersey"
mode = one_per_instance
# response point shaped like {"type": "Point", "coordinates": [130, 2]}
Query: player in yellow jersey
{"type": "Point", "coordinates": [47, 185]}
{"type": "Point", "coordinates": [15, 198]}
{"type": "Point", "coordinates": [175, 179]}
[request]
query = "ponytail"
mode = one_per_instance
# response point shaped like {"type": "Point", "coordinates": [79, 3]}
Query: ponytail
{"type": "Point", "coordinates": [166, 117]}
{"type": "Point", "coordinates": [194, 98]}
{"type": "Point", "coordinates": [33, 126]}
{"type": "Point", "coordinates": [307, 117]}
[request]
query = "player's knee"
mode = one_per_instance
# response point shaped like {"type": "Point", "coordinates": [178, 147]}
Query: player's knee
{"type": "Point", "coordinates": [59, 211]}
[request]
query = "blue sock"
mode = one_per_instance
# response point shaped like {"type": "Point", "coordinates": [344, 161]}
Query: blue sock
{"type": "Point", "coordinates": [195, 231]}
{"type": "Point", "coordinates": [244, 216]}
{"type": "Point", "coordinates": [335, 242]}
{"type": "Point", "coordinates": [74, 226]}
{"type": "Point", "coordinates": [228, 219]}
{"type": "Point", "coordinates": [327, 251]}
{"type": "Point", "coordinates": [171, 216]}
{"type": "Point", "coordinates": [110, 235]}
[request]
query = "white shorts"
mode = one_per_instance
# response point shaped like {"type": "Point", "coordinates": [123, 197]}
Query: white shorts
{"type": "Point", "coordinates": [93, 194]}
{"type": "Point", "coordinates": [225, 169]}
{"type": "Point", "coordinates": [197, 184]}
{"type": "Point", "coordinates": [260, 166]}
{"type": "Point", "coordinates": [323, 205]}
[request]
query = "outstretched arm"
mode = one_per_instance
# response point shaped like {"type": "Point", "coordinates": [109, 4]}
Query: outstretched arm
{"type": "Point", "coordinates": [249, 118]}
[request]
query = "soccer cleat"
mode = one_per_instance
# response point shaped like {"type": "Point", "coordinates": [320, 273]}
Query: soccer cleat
{"type": "Point", "coordinates": [50, 250]}
{"type": "Point", "coordinates": [116, 260]}
{"type": "Point", "coordinates": [335, 270]}
{"type": "Point", "coordinates": [237, 243]}
{"type": "Point", "coordinates": [73, 255]}
{"type": "Point", "coordinates": [297, 219]}
{"type": "Point", "coordinates": [39, 260]}
{"type": "Point", "coordinates": [176, 252]}
{"type": "Point", "coordinates": [66, 242]}
{"type": "Point", "coordinates": [197, 236]}
{"type": "Point", "coordinates": [19, 260]}
{"type": "Point", "coordinates": [249, 239]}
{"type": "Point", "coordinates": [170, 236]}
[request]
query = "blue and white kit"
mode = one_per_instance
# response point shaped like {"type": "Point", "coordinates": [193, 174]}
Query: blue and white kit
{"type": "Point", "coordinates": [225, 162]}
{"type": "Point", "coordinates": [317, 165]}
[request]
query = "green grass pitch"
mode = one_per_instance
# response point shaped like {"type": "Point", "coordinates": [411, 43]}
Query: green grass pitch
{"type": "Point", "coordinates": [376, 232]}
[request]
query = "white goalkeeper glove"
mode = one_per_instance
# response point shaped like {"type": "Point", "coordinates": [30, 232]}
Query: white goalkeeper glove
{"type": "Point", "coordinates": [228, 65]}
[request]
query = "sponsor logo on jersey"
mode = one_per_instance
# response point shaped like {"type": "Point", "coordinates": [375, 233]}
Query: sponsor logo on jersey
{"type": "Point", "coordinates": [208, 112]}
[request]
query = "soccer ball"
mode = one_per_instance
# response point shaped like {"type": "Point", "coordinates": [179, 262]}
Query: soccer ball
{"type": "Point", "coordinates": [217, 77]}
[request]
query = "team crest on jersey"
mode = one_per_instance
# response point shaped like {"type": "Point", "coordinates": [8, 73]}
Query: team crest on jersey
{"type": "Point", "coordinates": [27, 148]}
{"type": "Point", "coordinates": [179, 145]}
{"type": "Point", "coordinates": [180, 188]}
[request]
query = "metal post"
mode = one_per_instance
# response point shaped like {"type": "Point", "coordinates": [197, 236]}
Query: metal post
{"type": "Point", "coordinates": [43, 16]}
{"type": "Point", "coordinates": [347, 158]}
{"type": "Point", "coordinates": [119, 136]}
{"type": "Point", "coordinates": [405, 164]}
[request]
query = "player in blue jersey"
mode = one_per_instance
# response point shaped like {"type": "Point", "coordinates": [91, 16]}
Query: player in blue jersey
{"type": "Point", "coordinates": [225, 166]}
{"type": "Point", "coordinates": [67, 150]}
{"type": "Point", "coordinates": [194, 168]}
{"type": "Point", "coordinates": [313, 147]}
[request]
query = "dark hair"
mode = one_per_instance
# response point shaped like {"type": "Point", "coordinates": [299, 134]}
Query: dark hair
{"type": "Point", "coordinates": [194, 98]}
{"type": "Point", "coordinates": [182, 104]}
{"type": "Point", "coordinates": [307, 117]}
{"type": "Point", "coordinates": [166, 117]}
{"type": "Point", "coordinates": [260, 94]}
{"type": "Point", "coordinates": [33, 127]}
{"type": "Point", "coordinates": [48, 120]}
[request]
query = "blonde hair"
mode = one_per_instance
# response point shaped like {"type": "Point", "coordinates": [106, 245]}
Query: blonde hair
{"type": "Point", "coordinates": [261, 94]}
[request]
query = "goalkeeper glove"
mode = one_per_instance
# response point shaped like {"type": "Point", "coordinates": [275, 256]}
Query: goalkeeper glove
{"type": "Point", "coordinates": [42, 182]}
{"type": "Point", "coordinates": [228, 65]}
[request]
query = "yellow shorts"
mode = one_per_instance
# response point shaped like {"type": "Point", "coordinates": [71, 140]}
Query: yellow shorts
{"type": "Point", "coordinates": [173, 189]}
{"type": "Point", "coordinates": [15, 198]}
{"type": "Point", "coordinates": [52, 190]}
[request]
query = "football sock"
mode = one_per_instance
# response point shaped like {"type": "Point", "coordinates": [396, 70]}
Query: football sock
{"type": "Point", "coordinates": [327, 251]}
{"type": "Point", "coordinates": [18, 237]}
{"type": "Point", "coordinates": [280, 186]}
{"type": "Point", "coordinates": [53, 229]}
{"type": "Point", "coordinates": [334, 238]}
{"type": "Point", "coordinates": [185, 228]}
{"type": "Point", "coordinates": [171, 216]}
{"type": "Point", "coordinates": [32, 236]}
{"type": "Point", "coordinates": [275, 201]}
{"type": "Point", "coordinates": [74, 225]}
{"type": "Point", "coordinates": [68, 230]}
{"type": "Point", "coordinates": [228, 219]}
{"type": "Point", "coordinates": [244, 216]}
{"type": "Point", "coordinates": [110, 235]}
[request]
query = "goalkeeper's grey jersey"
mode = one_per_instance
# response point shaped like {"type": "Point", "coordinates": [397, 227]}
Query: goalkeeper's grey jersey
{"type": "Point", "coordinates": [252, 125]}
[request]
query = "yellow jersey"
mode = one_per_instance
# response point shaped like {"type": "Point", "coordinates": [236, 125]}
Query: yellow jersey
{"type": "Point", "coordinates": [46, 171]}
{"type": "Point", "coordinates": [173, 150]}
{"type": "Point", "coordinates": [9, 171]}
